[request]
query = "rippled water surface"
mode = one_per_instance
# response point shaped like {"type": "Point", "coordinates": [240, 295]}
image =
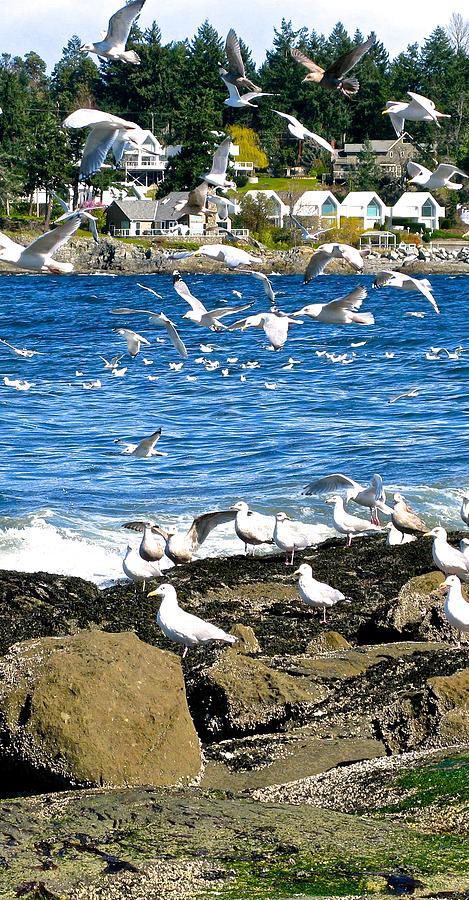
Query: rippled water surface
{"type": "Point", "coordinates": [66, 488]}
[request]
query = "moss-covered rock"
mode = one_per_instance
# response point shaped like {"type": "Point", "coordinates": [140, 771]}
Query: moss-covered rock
{"type": "Point", "coordinates": [94, 709]}
{"type": "Point", "coordinates": [327, 642]}
{"type": "Point", "coordinates": [451, 695]}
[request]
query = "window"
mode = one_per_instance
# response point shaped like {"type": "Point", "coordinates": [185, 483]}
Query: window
{"type": "Point", "coordinates": [428, 210]}
{"type": "Point", "coordinates": [372, 210]}
{"type": "Point", "coordinates": [328, 208]}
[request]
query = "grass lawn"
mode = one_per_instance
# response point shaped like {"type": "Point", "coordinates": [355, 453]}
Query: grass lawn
{"type": "Point", "coordinates": [295, 185]}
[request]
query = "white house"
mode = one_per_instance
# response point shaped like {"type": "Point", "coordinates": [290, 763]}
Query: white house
{"type": "Point", "coordinates": [279, 209]}
{"type": "Point", "coordinates": [367, 206]}
{"type": "Point", "coordinates": [318, 205]}
{"type": "Point", "coordinates": [419, 206]}
{"type": "Point", "coordinates": [148, 162]}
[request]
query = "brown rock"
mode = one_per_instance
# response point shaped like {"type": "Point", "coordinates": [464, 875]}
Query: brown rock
{"type": "Point", "coordinates": [247, 641]}
{"type": "Point", "coordinates": [93, 709]}
{"type": "Point", "coordinates": [327, 642]}
{"type": "Point", "coordinates": [451, 694]}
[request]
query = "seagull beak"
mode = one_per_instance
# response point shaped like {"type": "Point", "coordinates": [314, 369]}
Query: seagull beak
{"type": "Point", "coordinates": [385, 112]}
{"type": "Point", "coordinates": [153, 593]}
{"type": "Point", "coordinates": [427, 534]}
{"type": "Point", "coordinates": [297, 572]}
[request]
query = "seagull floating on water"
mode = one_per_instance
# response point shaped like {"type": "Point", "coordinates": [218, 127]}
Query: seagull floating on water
{"type": "Point", "coordinates": [145, 448]}
{"type": "Point", "coordinates": [316, 593]}
{"type": "Point", "coordinates": [343, 311]}
{"type": "Point", "coordinates": [113, 44]}
{"type": "Point", "coordinates": [333, 77]}
{"type": "Point", "coordinates": [182, 627]}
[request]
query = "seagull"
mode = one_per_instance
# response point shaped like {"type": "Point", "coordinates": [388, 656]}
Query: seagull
{"type": "Point", "coordinates": [343, 311]}
{"type": "Point", "coordinates": [316, 593]}
{"type": "Point", "coordinates": [275, 325]}
{"type": "Point", "coordinates": [239, 101]}
{"type": "Point", "coordinates": [111, 363]}
{"type": "Point", "coordinates": [151, 546]}
{"type": "Point", "coordinates": [183, 627]}
{"type": "Point", "coordinates": [68, 211]}
{"type": "Point", "coordinates": [236, 73]}
{"type": "Point", "coordinates": [231, 256]}
{"type": "Point", "coordinates": [90, 385]}
{"type": "Point", "coordinates": [373, 497]}
{"type": "Point", "coordinates": [113, 45]}
{"type": "Point", "coordinates": [326, 252]}
{"type": "Point", "coordinates": [251, 527]}
{"type": "Point", "coordinates": [37, 256]}
{"type": "Point", "coordinates": [300, 132]}
{"type": "Point", "coordinates": [138, 569]}
{"type": "Point", "coordinates": [464, 547]}
{"type": "Point", "coordinates": [465, 509]}
{"type": "Point", "coordinates": [414, 392]}
{"type": "Point", "coordinates": [145, 448]}
{"type": "Point", "coordinates": [18, 383]}
{"type": "Point", "coordinates": [449, 559]}
{"type": "Point", "coordinates": [395, 538]}
{"type": "Point", "coordinates": [132, 339]}
{"type": "Point", "coordinates": [404, 519]}
{"type": "Point", "coordinates": [198, 312]}
{"type": "Point", "coordinates": [344, 523]}
{"type": "Point", "coordinates": [180, 547]}
{"type": "Point", "coordinates": [440, 178]}
{"type": "Point", "coordinates": [420, 109]}
{"type": "Point", "coordinates": [290, 536]}
{"type": "Point", "coordinates": [217, 175]}
{"type": "Point", "coordinates": [406, 283]}
{"type": "Point", "coordinates": [17, 351]}
{"type": "Point", "coordinates": [305, 234]}
{"type": "Point", "coordinates": [333, 77]}
{"type": "Point", "coordinates": [107, 133]}
{"type": "Point", "coordinates": [266, 283]}
{"type": "Point", "coordinates": [156, 318]}
{"type": "Point", "coordinates": [456, 608]}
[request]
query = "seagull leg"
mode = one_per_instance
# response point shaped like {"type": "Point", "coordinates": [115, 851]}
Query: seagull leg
{"type": "Point", "coordinates": [349, 540]}
{"type": "Point", "coordinates": [184, 653]}
{"type": "Point", "coordinates": [324, 620]}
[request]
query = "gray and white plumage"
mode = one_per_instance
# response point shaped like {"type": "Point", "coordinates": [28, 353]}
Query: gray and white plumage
{"type": "Point", "coordinates": [236, 73]}
{"type": "Point", "coordinates": [333, 78]}
{"type": "Point", "coordinates": [420, 109]}
{"type": "Point", "coordinates": [372, 497]}
{"type": "Point", "coordinates": [291, 535]}
{"type": "Point", "coordinates": [181, 546]}
{"type": "Point", "coordinates": [38, 255]}
{"type": "Point", "coordinates": [108, 133]}
{"type": "Point", "coordinates": [133, 340]}
{"type": "Point", "coordinates": [253, 528]}
{"type": "Point", "coordinates": [183, 627]}
{"type": "Point", "coordinates": [406, 283]}
{"type": "Point", "coordinates": [456, 608]}
{"type": "Point", "coordinates": [395, 538]}
{"type": "Point", "coordinates": [275, 325]}
{"type": "Point", "coordinates": [464, 547]}
{"type": "Point", "coordinates": [217, 175]}
{"type": "Point", "coordinates": [349, 525]}
{"type": "Point", "coordinates": [343, 311]}
{"type": "Point", "coordinates": [86, 217]}
{"type": "Point", "coordinates": [20, 351]}
{"type": "Point", "coordinates": [316, 593]}
{"type": "Point", "coordinates": [326, 253]}
{"type": "Point", "coordinates": [156, 318]}
{"type": "Point", "coordinates": [239, 101]}
{"type": "Point", "coordinates": [144, 448]}
{"type": "Point", "coordinates": [266, 283]}
{"type": "Point", "coordinates": [448, 559]}
{"type": "Point", "coordinates": [199, 313]}
{"type": "Point", "coordinates": [230, 256]}
{"type": "Point", "coordinates": [464, 512]}
{"type": "Point", "coordinates": [138, 569]}
{"type": "Point", "coordinates": [151, 547]}
{"type": "Point", "coordinates": [440, 178]}
{"type": "Point", "coordinates": [404, 518]}
{"type": "Point", "coordinates": [301, 133]}
{"type": "Point", "coordinates": [113, 44]}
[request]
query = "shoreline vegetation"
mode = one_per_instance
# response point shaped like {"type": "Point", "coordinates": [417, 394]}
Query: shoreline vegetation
{"type": "Point", "coordinates": [334, 758]}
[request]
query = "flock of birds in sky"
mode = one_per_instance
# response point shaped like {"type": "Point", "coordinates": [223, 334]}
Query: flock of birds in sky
{"type": "Point", "coordinates": [109, 133]}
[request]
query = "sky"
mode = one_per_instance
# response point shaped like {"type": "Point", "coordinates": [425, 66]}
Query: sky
{"type": "Point", "coordinates": [46, 25]}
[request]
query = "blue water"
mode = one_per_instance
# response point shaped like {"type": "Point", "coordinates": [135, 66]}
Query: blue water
{"type": "Point", "coordinates": [65, 487]}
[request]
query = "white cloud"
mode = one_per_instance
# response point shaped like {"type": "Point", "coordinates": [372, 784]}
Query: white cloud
{"type": "Point", "coordinates": [45, 27]}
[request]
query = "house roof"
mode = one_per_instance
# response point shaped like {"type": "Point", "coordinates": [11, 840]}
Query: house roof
{"type": "Point", "coordinates": [316, 197]}
{"type": "Point", "coordinates": [415, 199]}
{"type": "Point", "coordinates": [137, 210]}
{"type": "Point", "coordinates": [361, 198]}
{"type": "Point", "coordinates": [377, 146]}
{"type": "Point", "coordinates": [172, 206]}
{"type": "Point", "coordinates": [270, 194]}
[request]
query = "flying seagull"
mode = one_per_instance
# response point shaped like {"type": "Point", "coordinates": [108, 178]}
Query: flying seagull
{"type": "Point", "coordinates": [68, 211]}
{"type": "Point", "coordinates": [302, 133]}
{"type": "Point", "coordinates": [181, 546]}
{"type": "Point", "coordinates": [420, 109]}
{"type": "Point", "coordinates": [440, 178]}
{"type": "Point", "coordinates": [237, 100]}
{"type": "Point", "coordinates": [372, 497]}
{"type": "Point", "coordinates": [326, 253]}
{"type": "Point", "coordinates": [333, 77]}
{"type": "Point", "coordinates": [181, 626]}
{"type": "Point", "coordinates": [217, 175]}
{"type": "Point", "coordinates": [230, 256]}
{"type": "Point", "coordinates": [236, 73]}
{"type": "Point", "coordinates": [274, 323]}
{"type": "Point", "coordinates": [21, 351]}
{"type": "Point", "coordinates": [113, 45]}
{"type": "Point", "coordinates": [107, 133]}
{"type": "Point", "coordinates": [266, 283]}
{"type": "Point", "coordinates": [343, 311]}
{"type": "Point", "coordinates": [198, 312]}
{"type": "Point", "coordinates": [156, 318]}
{"type": "Point", "coordinates": [145, 448]}
{"type": "Point", "coordinates": [133, 340]}
{"type": "Point", "coordinates": [37, 256]}
{"type": "Point", "coordinates": [406, 283]}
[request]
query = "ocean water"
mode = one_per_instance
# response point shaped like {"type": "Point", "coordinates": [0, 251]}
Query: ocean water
{"type": "Point", "coordinates": [66, 488]}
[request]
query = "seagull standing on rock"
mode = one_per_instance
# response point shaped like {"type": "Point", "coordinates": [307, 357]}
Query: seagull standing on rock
{"type": "Point", "coordinates": [456, 608]}
{"type": "Point", "coordinates": [138, 569]}
{"type": "Point", "coordinates": [316, 593]}
{"type": "Point", "coordinates": [405, 519]}
{"type": "Point", "coordinates": [464, 513]}
{"type": "Point", "coordinates": [181, 546]}
{"type": "Point", "coordinates": [253, 528]}
{"type": "Point", "coordinates": [181, 626]}
{"type": "Point", "coordinates": [448, 559]}
{"type": "Point", "coordinates": [152, 544]}
{"type": "Point", "coordinates": [290, 536]}
{"type": "Point", "coordinates": [344, 523]}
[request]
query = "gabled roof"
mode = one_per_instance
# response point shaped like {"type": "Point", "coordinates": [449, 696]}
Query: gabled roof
{"type": "Point", "coordinates": [416, 199]}
{"type": "Point", "coordinates": [378, 146]}
{"type": "Point", "coordinates": [137, 210]}
{"type": "Point", "coordinates": [173, 205]}
{"type": "Point", "coordinates": [361, 198]}
{"type": "Point", "coordinates": [269, 194]}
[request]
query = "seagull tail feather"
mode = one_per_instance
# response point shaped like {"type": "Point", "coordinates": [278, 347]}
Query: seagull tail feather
{"type": "Point", "coordinates": [365, 318]}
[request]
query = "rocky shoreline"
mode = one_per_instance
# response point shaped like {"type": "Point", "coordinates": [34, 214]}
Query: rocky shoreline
{"type": "Point", "coordinates": [308, 759]}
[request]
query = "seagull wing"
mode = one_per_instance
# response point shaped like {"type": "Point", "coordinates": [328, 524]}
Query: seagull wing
{"type": "Point", "coordinates": [232, 89]}
{"type": "Point", "coordinates": [147, 443]}
{"type": "Point", "coordinates": [276, 328]}
{"type": "Point", "coordinates": [6, 242]}
{"type": "Point", "coordinates": [182, 289]}
{"type": "Point", "coordinates": [398, 121]}
{"type": "Point", "coordinates": [161, 319]}
{"type": "Point", "coordinates": [320, 141]}
{"type": "Point", "coordinates": [203, 525]}
{"type": "Point", "coordinates": [48, 243]}
{"type": "Point", "coordinates": [317, 264]}
{"type": "Point", "coordinates": [98, 144]}
{"type": "Point", "coordinates": [233, 53]}
{"type": "Point", "coordinates": [228, 310]}
{"type": "Point", "coordinates": [446, 170]}
{"type": "Point", "coordinates": [220, 158]}
{"type": "Point", "coordinates": [425, 289]}
{"type": "Point", "coordinates": [198, 197]}
{"type": "Point", "coordinates": [352, 301]}
{"type": "Point", "coordinates": [330, 483]}
{"type": "Point", "coordinates": [414, 169]}
{"type": "Point", "coordinates": [136, 526]}
{"type": "Point", "coordinates": [289, 118]}
{"type": "Point", "coordinates": [383, 279]}
{"type": "Point", "coordinates": [305, 61]}
{"type": "Point", "coordinates": [254, 322]}
{"type": "Point", "coordinates": [121, 22]}
{"type": "Point", "coordinates": [61, 202]}
{"type": "Point", "coordinates": [266, 283]}
{"type": "Point", "coordinates": [83, 118]}
{"type": "Point", "coordinates": [425, 102]}
{"type": "Point", "coordinates": [344, 63]}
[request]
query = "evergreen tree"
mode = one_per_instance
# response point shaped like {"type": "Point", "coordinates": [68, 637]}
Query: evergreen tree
{"type": "Point", "coordinates": [74, 79]}
{"type": "Point", "coordinates": [366, 174]}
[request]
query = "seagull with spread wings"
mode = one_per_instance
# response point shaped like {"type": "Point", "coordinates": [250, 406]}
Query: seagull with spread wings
{"type": "Point", "coordinates": [266, 283]}
{"type": "Point", "coordinates": [301, 133]}
{"type": "Point", "coordinates": [333, 78]}
{"type": "Point", "coordinates": [326, 253]}
{"type": "Point", "coordinates": [373, 497]}
{"type": "Point", "coordinates": [145, 448]}
{"type": "Point", "coordinates": [113, 44]}
{"type": "Point", "coordinates": [343, 311]}
{"type": "Point", "coordinates": [237, 100]}
{"type": "Point", "coordinates": [198, 312]}
{"type": "Point", "coordinates": [133, 340]}
{"type": "Point", "coordinates": [440, 178]}
{"type": "Point", "coordinates": [420, 109]}
{"type": "Point", "coordinates": [68, 212]}
{"type": "Point", "coordinates": [181, 546]}
{"type": "Point", "coordinates": [236, 73]}
{"type": "Point", "coordinates": [155, 318]}
{"type": "Point", "coordinates": [275, 325]}
{"type": "Point", "coordinates": [38, 256]}
{"type": "Point", "coordinates": [406, 283]}
{"type": "Point", "coordinates": [21, 351]}
{"type": "Point", "coordinates": [108, 133]}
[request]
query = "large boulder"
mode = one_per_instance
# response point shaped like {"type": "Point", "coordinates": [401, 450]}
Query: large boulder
{"type": "Point", "coordinates": [94, 709]}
